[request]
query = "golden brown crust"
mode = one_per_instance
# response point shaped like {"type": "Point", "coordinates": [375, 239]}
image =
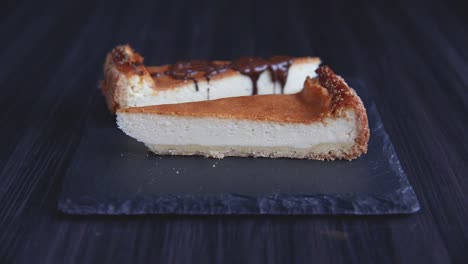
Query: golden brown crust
{"type": "Point", "coordinates": [121, 64]}
{"type": "Point", "coordinates": [253, 151]}
{"type": "Point", "coordinates": [344, 96]}
{"type": "Point", "coordinates": [127, 60]}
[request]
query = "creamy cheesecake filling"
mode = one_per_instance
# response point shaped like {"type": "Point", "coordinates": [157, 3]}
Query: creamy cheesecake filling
{"type": "Point", "coordinates": [231, 86]}
{"type": "Point", "coordinates": [141, 93]}
{"type": "Point", "coordinates": [171, 130]}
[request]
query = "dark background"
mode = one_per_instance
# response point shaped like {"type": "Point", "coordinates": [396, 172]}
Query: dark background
{"type": "Point", "coordinates": [412, 55]}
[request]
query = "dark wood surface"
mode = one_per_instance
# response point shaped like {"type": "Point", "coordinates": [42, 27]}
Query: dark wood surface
{"type": "Point", "coordinates": [412, 54]}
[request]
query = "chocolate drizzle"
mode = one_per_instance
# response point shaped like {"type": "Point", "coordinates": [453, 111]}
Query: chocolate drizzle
{"type": "Point", "coordinates": [279, 66]}
{"type": "Point", "coordinates": [252, 67]}
{"type": "Point", "coordinates": [249, 66]}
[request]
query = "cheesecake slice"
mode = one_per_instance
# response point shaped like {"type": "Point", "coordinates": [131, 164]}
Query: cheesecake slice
{"type": "Point", "coordinates": [325, 121]}
{"type": "Point", "coordinates": [129, 83]}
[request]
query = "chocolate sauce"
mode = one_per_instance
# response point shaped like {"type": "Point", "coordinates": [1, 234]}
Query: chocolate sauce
{"type": "Point", "coordinates": [279, 66]}
{"type": "Point", "coordinates": [186, 70]}
{"type": "Point", "coordinates": [252, 67]}
{"type": "Point", "coordinates": [249, 66]}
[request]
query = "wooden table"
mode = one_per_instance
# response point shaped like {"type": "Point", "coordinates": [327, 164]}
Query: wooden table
{"type": "Point", "coordinates": [412, 54]}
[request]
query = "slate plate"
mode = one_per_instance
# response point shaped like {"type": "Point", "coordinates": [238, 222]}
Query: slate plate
{"type": "Point", "coordinates": [112, 173]}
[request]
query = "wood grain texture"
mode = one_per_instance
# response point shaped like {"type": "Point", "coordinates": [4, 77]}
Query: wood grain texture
{"type": "Point", "coordinates": [411, 54]}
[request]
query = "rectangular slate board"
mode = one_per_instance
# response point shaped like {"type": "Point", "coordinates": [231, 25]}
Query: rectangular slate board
{"type": "Point", "coordinates": [112, 173]}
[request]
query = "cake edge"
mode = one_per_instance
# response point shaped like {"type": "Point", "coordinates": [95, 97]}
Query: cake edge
{"type": "Point", "coordinates": [123, 70]}
{"type": "Point", "coordinates": [362, 123]}
{"type": "Point", "coordinates": [254, 151]}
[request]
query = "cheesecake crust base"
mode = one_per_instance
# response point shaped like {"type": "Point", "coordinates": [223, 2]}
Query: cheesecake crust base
{"type": "Point", "coordinates": [317, 152]}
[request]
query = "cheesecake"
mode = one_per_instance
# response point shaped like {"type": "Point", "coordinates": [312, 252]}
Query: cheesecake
{"type": "Point", "coordinates": [325, 120]}
{"type": "Point", "coordinates": [128, 82]}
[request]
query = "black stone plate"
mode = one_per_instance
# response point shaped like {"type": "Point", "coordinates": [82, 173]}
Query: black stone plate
{"type": "Point", "coordinates": [112, 173]}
